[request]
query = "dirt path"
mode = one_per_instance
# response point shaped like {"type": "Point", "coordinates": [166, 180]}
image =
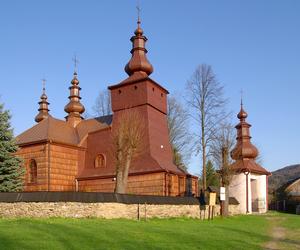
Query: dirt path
{"type": "Point", "coordinates": [277, 234]}
{"type": "Point", "coordinates": [282, 238]}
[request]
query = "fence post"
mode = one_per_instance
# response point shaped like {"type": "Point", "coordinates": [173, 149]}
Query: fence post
{"type": "Point", "coordinates": [145, 211]}
{"type": "Point", "coordinates": [138, 211]}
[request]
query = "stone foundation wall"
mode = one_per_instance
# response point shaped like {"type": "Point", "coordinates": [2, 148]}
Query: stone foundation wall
{"type": "Point", "coordinates": [102, 210]}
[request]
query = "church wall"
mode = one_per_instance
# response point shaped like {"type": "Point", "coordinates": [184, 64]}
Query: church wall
{"type": "Point", "coordinates": [99, 143]}
{"type": "Point", "coordinates": [261, 193]}
{"type": "Point", "coordinates": [237, 189]}
{"type": "Point", "coordinates": [147, 184]}
{"type": "Point", "coordinates": [133, 95]}
{"type": "Point", "coordinates": [64, 163]}
{"type": "Point", "coordinates": [39, 154]}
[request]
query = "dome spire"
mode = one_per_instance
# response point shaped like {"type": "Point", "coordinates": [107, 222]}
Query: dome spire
{"type": "Point", "coordinates": [74, 108]}
{"type": "Point", "coordinates": [243, 148]}
{"type": "Point", "coordinates": [138, 62]}
{"type": "Point", "coordinates": [43, 105]}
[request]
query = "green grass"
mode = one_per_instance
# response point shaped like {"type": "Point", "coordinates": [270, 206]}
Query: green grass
{"type": "Point", "coordinates": [239, 232]}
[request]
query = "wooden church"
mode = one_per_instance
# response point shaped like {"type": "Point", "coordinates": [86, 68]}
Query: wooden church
{"type": "Point", "coordinates": [73, 154]}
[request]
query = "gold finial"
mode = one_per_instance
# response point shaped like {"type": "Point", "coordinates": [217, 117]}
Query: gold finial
{"type": "Point", "coordinates": [76, 61]}
{"type": "Point", "coordinates": [139, 13]}
{"type": "Point", "coordinates": [44, 85]}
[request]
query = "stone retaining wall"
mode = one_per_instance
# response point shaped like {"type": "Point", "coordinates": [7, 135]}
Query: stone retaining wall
{"type": "Point", "coordinates": [102, 210]}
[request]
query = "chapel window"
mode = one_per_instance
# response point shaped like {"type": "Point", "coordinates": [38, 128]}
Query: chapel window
{"type": "Point", "coordinates": [32, 171]}
{"type": "Point", "coordinates": [100, 161]}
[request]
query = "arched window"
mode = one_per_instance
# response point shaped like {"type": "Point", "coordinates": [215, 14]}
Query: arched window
{"type": "Point", "coordinates": [100, 161]}
{"type": "Point", "coordinates": [32, 171]}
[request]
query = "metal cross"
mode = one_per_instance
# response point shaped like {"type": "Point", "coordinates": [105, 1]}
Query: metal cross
{"type": "Point", "coordinates": [75, 60]}
{"type": "Point", "coordinates": [138, 11]}
{"type": "Point", "coordinates": [242, 97]}
{"type": "Point", "coordinates": [44, 84]}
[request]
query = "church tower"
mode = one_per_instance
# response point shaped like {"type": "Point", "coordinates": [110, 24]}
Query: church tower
{"type": "Point", "coordinates": [142, 94]}
{"type": "Point", "coordinates": [74, 108]}
{"type": "Point", "coordinates": [43, 103]}
{"type": "Point", "coordinates": [249, 184]}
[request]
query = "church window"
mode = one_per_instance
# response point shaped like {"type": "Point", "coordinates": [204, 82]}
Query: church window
{"type": "Point", "coordinates": [120, 91]}
{"type": "Point", "coordinates": [135, 87]}
{"type": "Point", "coordinates": [100, 161]}
{"type": "Point", "coordinates": [162, 95]}
{"type": "Point", "coordinates": [153, 89]}
{"type": "Point", "coordinates": [32, 171]}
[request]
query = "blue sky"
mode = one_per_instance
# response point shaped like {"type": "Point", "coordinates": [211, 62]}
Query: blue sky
{"type": "Point", "coordinates": [252, 45]}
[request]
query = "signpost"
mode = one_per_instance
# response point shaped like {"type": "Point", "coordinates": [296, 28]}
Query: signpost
{"type": "Point", "coordinates": [222, 199]}
{"type": "Point", "coordinates": [212, 203]}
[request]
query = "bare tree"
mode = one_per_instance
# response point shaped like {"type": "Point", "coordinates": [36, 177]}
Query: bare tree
{"type": "Point", "coordinates": [220, 149]}
{"type": "Point", "coordinates": [205, 97]}
{"type": "Point", "coordinates": [102, 104]}
{"type": "Point", "coordinates": [180, 137]}
{"type": "Point", "coordinates": [128, 133]}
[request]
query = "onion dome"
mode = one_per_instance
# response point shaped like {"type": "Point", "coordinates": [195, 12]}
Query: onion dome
{"type": "Point", "coordinates": [138, 61]}
{"type": "Point", "coordinates": [244, 148]}
{"type": "Point", "coordinates": [43, 109]}
{"type": "Point", "coordinates": [74, 108]}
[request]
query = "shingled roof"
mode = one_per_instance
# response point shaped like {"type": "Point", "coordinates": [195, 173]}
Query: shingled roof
{"type": "Point", "coordinates": [52, 129]}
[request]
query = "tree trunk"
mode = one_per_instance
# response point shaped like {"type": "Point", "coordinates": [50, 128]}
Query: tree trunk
{"type": "Point", "coordinates": [126, 169]}
{"type": "Point", "coordinates": [226, 202]}
{"type": "Point", "coordinates": [120, 189]}
{"type": "Point", "coordinates": [203, 149]}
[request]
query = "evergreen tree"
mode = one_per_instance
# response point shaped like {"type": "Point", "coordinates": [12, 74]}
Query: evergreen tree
{"type": "Point", "coordinates": [212, 178]}
{"type": "Point", "coordinates": [11, 170]}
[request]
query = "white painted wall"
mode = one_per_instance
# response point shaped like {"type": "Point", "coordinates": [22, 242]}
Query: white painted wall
{"type": "Point", "coordinates": [237, 189]}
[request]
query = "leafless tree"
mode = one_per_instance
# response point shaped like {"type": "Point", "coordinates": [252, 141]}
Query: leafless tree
{"type": "Point", "coordinates": [220, 150]}
{"type": "Point", "coordinates": [102, 104]}
{"type": "Point", "coordinates": [180, 137]}
{"type": "Point", "coordinates": [128, 133]}
{"type": "Point", "coordinates": [205, 97]}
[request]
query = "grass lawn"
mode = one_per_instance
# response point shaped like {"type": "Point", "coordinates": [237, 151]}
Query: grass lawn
{"type": "Point", "coordinates": [239, 232]}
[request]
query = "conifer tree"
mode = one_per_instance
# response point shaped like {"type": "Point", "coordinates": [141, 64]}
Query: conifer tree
{"type": "Point", "coordinates": [11, 170]}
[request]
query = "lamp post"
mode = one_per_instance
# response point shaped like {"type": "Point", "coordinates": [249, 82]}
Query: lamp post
{"type": "Point", "coordinates": [247, 172]}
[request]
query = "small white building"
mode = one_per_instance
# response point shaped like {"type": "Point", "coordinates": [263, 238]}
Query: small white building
{"type": "Point", "coordinates": [249, 183]}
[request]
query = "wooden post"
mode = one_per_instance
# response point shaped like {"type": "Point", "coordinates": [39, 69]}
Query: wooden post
{"type": "Point", "coordinates": [138, 211]}
{"type": "Point", "coordinates": [209, 212]}
{"type": "Point", "coordinates": [145, 211]}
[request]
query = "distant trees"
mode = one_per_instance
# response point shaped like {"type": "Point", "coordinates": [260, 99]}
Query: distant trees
{"type": "Point", "coordinates": [11, 170]}
{"type": "Point", "coordinates": [127, 137]}
{"type": "Point", "coordinates": [212, 178]}
{"type": "Point", "coordinates": [205, 98]}
{"type": "Point", "coordinates": [180, 137]}
{"type": "Point", "coordinates": [102, 104]}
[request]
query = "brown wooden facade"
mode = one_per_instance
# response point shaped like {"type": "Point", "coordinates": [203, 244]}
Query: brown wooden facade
{"type": "Point", "coordinates": [74, 155]}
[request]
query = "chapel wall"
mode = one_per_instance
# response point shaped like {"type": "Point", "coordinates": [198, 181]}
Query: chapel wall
{"type": "Point", "coordinates": [64, 163]}
{"type": "Point", "coordinates": [38, 153]}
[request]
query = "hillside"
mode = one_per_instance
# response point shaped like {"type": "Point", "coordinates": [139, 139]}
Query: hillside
{"type": "Point", "coordinates": [281, 176]}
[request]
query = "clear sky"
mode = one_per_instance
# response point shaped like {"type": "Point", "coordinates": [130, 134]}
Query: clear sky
{"type": "Point", "coordinates": [252, 45]}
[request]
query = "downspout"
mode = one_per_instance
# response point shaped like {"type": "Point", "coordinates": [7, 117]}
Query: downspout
{"type": "Point", "coordinates": [267, 193]}
{"type": "Point", "coordinates": [49, 162]}
{"type": "Point", "coordinates": [247, 201]}
{"type": "Point", "coordinates": [76, 185]}
{"type": "Point", "coordinates": [166, 183]}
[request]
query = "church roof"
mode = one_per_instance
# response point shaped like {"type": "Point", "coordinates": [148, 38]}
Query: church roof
{"type": "Point", "coordinates": [250, 165]}
{"type": "Point", "coordinates": [52, 129]}
{"type": "Point", "coordinates": [244, 152]}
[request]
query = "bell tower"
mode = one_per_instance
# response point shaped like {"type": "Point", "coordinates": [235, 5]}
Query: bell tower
{"type": "Point", "coordinates": [140, 93]}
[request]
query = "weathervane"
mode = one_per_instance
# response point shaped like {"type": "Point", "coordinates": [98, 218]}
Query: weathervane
{"type": "Point", "coordinates": [75, 60]}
